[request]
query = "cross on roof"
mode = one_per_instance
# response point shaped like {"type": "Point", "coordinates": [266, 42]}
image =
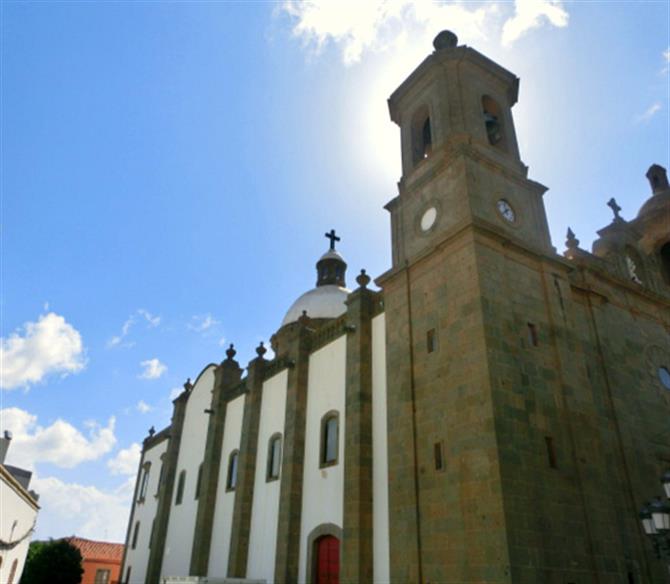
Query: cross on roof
{"type": "Point", "coordinates": [615, 208]}
{"type": "Point", "coordinates": [333, 238]}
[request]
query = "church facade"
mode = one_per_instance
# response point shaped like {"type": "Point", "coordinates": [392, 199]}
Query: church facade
{"type": "Point", "coordinates": [496, 412]}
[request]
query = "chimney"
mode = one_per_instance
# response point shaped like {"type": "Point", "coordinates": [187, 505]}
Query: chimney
{"type": "Point", "coordinates": [4, 445]}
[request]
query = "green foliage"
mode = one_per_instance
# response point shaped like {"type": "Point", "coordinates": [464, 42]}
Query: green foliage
{"type": "Point", "coordinates": [52, 562]}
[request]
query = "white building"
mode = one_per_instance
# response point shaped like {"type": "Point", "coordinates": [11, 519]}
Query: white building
{"type": "Point", "coordinates": [18, 516]}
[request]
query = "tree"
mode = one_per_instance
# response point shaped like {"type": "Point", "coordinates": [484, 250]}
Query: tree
{"type": "Point", "coordinates": [52, 562]}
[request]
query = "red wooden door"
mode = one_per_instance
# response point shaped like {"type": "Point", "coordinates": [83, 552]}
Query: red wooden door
{"type": "Point", "coordinates": [327, 560]}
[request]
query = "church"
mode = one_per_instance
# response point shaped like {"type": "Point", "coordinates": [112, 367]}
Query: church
{"type": "Point", "coordinates": [492, 411]}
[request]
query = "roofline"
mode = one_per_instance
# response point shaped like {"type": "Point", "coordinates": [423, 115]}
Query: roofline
{"type": "Point", "coordinates": [23, 493]}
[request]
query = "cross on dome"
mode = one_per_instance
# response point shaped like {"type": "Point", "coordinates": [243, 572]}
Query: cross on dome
{"type": "Point", "coordinates": [333, 238]}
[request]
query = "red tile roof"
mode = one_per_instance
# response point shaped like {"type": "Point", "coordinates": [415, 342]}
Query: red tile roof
{"type": "Point", "coordinates": [97, 550]}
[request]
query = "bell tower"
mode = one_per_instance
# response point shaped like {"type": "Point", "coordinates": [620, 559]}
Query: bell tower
{"type": "Point", "coordinates": [464, 201]}
{"type": "Point", "coordinates": [460, 156]}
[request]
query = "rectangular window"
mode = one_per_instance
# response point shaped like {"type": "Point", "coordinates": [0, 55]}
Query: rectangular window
{"type": "Point", "coordinates": [532, 335]}
{"type": "Point", "coordinates": [198, 481]}
{"type": "Point", "coordinates": [128, 575]}
{"type": "Point", "coordinates": [102, 577]}
{"type": "Point", "coordinates": [437, 452]}
{"type": "Point", "coordinates": [551, 452]}
{"type": "Point", "coordinates": [431, 341]}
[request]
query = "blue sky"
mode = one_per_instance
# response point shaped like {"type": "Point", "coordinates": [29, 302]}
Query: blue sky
{"type": "Point", "coordinates": [169, 169]}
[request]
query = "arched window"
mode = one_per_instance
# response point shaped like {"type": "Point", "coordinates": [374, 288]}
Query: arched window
{"type": "Point", "coordinates": [136, 533]}
{"type": "Point", "coordinates": [665, 262]}
{"type": "Point", "coordinates": [144, 484]}
{"type": "Point", "coordinates": [422, 135]}
{"type": "Point", "coordinates": [274, 457]}
{"type": "Point", "coordinates": [198, 482]}
{"type": "Point", "coordinates": [180, 487]}
{"type": "Point", "coordinates": [231, 481]}
{"type": "Point", "coordinates": [329, 438]}
{"type": "Point", "coordinates": [493, 122]}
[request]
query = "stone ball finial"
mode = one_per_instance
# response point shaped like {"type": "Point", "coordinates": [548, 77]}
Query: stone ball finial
{"type": "Point", "coordinates": [445, 40]}
{"type": "Point", "coordinates": [261, 350]}
{"type": "Point", "coordinates": [363, 279]}
{"type": "Point", "coordinates": [231, 352]}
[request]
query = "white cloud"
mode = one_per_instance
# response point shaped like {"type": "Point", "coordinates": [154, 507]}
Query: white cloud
{"type": "Point", "coordinates": [126, 460]}
{"type": "Point", "coordinates": [666, 60]}
{"type": "Point", "coordinates": [175, 392]}
{"type": "Point", "coordinates": [120, 339]}
{"type": "Point", "coordinates": [153, 369]}
{"type": "Point", "coordinates": [50, 345]}
{"type": "Point", "coordinates": [222, 342]}
{"type": "Point", "coordinates": [85, 510]}
{"type": "Point", "coordinates": [378, 24]}
{"type": "Point", "coordinates": [650, 112]}
{"type": "Point", "coordinates": [60, 443]}
{"type": "Point", "coordinates": [530, 14]}
{"type": "Point", "coordinates": [201, 323]}
{"type": "Point", "coordinates": [375, 25]}
{"type": "Point", "coordinates": [143, 407]}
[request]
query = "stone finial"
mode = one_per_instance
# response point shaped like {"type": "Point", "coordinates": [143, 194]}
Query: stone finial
{"type": "Point", "coordinates": [445, 40]}
{"type": "Point", "coordinates": [188, 386]}
{"type": "Point", "coordinates": [571, 242]}
{"type": "Point", "coordinates": [152, 431]}
{"type": "Point", "coordinates": [612, 204]}
{"type": "Point", "coordinates": [658, 178]}
{"type": "Point", "coordinates": [363, 279]}
{"type": "Point", "coordinates": [304, 319]}
{"type": "Point", "coordinates": [231, 352]}
{"type": "Point", "coordinates": [261, 350]}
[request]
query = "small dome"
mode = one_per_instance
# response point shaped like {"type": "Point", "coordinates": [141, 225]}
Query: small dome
{"type": "Point", "coordinates": [321, 302]}
{"type": "Point", "coordinates": [332, 254]}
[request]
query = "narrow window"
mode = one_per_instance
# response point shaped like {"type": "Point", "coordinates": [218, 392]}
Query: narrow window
{"type": "Point", "coordinates": [274, 457]}
{"type": "Point", "coordinates": [631, 578]}
{"type": "Point", "coordinates": [551, 452]}
{"type": "Point", "coordinates": [422, 135]}
{"type": "Point", "coordinates": [151, 535]}
{"type": "Point", "coordinates": [492, 121]}
{"type": "Point", "coordinates": [12, 572]}
{"type": "Point", "coordinates": [437, 452]}
{"type": "Point", "coordinates": [145, 482]}
{"type": "Point", "coordinates": [136, 533]}
{"type": "Point", "coordinates": [231, 481]}
{"type": "Point", "coordinates": [128, 575]}
{"type": "Point", "coordinates": [197, 482]}
{"type": "Point", "coordinates": [180, 487]}
{"type": "Point", "coordinates": [161, 474]}
{"type": "Point", "coordinates": [329, 439]}
{"type": "Point", "coordinates": [430, 340]}
{"type": "Point", "coordinates": [532, 334]}
{"type": "Point", "coordinates": [665, 262]}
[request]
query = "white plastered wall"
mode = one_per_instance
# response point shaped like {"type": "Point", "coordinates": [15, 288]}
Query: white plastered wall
{"type": "Point", "coordinates": [181, 526]}
{"type": "Point", "coordinates": [17, 517]}
{"type": "Point", "coordinates": [144, 512]}
{"type": "Point", "coordinates": [322, 489]}
{"type": "Point", "coordinates": [225, 500]}
{"type": "Point", "coordinates": [265, 507]}
{"type": "Point", "coordinates": [380, 500]}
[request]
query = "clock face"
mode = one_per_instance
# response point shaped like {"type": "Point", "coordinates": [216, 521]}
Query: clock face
{"type": "Point", "coordinates": [506, 211]}
{"type": "Point", "coordinates": [428, 218]}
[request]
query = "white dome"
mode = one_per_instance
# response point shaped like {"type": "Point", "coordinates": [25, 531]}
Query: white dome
{"type": "Point", "coordinates": [321, 302]}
